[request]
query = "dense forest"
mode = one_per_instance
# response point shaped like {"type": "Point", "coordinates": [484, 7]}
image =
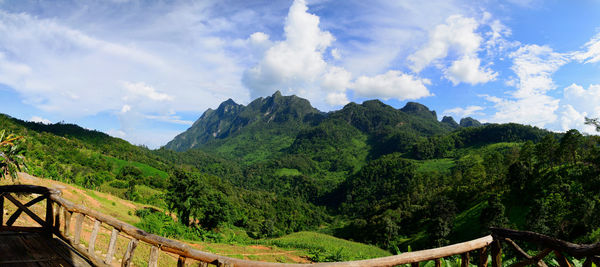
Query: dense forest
{"type": "Point", "coordinates": [368, 172]}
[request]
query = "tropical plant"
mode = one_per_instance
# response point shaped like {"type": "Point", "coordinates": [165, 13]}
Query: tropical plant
{"type": "Point", "coordinates": [11, 150]}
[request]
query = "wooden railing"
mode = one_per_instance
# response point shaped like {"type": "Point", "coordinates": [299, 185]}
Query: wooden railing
{"type": "Point", "coordinates": [548, 245]}
{"type": "Point", "coordinates": [60, 214]}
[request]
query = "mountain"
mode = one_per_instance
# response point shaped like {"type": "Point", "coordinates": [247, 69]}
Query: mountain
{"type": "Point", "coordinates": [230, 119]}
{"type": "Point", "coordinates": [267, 126]}
{"type": "Point", "coordinates": [367, 172]}
{"type": "Point", "coordinates": [450, 122]}
{"type": "Point", "coordinates": [469, 122]}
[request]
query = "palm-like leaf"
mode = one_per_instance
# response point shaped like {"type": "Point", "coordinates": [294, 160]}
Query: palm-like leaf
{"type": "Point", "coordinates": [10, 154]}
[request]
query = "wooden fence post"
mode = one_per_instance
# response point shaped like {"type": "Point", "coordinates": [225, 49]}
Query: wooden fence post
{"type": "Point", "coordinates": [181, 261]}
{"type": "Point", "coordinates": [464, 260]}
{"type": "Point", "coordinates": [153, 259]}
{"type": "Point", "coordinates": [49, 216]}
{"type": "Point", "coordinates": [129, 253]}
{"type": "Point", "coordinates": [496, 254]}
{"type": "Point", "coordinates": [67, 224]}
{"type": "Point", "coordinates": [483, 257]}
{"type": "Point", "coordinates": [78, 224]}
{"type": "Point", "coordinates": [92, 244]}
{"type": "Point", "coordinates": [1, 210]}
{"type": "Point", "coordinates": [111, 246]}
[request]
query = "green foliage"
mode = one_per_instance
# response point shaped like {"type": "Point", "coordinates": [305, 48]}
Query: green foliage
{"type": "Point", "coordinates": [395, 178]}
{"type": "Point", "coordinates": [11, 150]}
{"type": "Point", "coordinates": [159, 223]}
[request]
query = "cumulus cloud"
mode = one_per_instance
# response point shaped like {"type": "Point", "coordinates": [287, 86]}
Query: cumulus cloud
{"type": "Point", "coordinates": [538, 110]}
{"type": "Point", "coordinates": [530, 103]}
{"type": "Point", "coordinates": [295, 64]}
{"type": "Point", "coordinates": [336, 81]}
{"type": "Point", "coordinates": [464, 112]}
{"type": "Point", "coordinates": [392, 84]}
{"type": "Point", "coordinates": [578, 103]}
{"type": "Point", "coordinates": [458, 34]}
{"type": "Point", "coordinates": [468, 70]}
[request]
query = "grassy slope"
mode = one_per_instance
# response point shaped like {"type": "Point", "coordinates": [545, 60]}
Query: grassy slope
{"type": "Point", "coordinates": [327, 245]}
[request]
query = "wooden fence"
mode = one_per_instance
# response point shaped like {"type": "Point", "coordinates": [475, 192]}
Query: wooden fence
{"type": "Point", "coordinates": [61, 213]}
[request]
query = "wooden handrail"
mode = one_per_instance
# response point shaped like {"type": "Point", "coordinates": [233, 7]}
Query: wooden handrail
{"type": "Point", "coordinates": [575, 250]}
{"type": "Point", "coordinates": [187, 252]}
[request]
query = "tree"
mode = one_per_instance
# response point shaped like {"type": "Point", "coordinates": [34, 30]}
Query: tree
{"type": "Point", "coordinates": [493, 214]}
{"type": "Point", "coordinates": [569, 145]}
{"type": "Point", "coordinates": [179, 195]}
{"type": "Point", "coordinates": [594, 122]}
{"type": "Point", "coordinates": [11, 150]}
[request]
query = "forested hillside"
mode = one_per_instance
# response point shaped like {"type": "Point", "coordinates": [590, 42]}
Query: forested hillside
{"type": "Point", "coordinates": [368, 172]}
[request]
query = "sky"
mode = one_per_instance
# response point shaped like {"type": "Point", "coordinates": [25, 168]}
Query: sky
{"type": "Point", "coordinates": [144, 71]}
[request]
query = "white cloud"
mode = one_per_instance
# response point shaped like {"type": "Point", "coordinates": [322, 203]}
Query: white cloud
{"type": "Point", "coordinates": [335, 54]}
{"type": "Point", "coordinates": [459, 35]}
{"type": "Point", "coordinates": [464, 112]}
{"type": "Point", "coordinates": [40, 120]}
{"type": "Point", "coordinates": [392, 84]}
{"type": "Point", "coordinates": [63, 70]}
{"type": "Point", "coordinates": [259, 38]}
{"type": "Point", "coordinates": [538, 110]}
{"type": "Point", "coordinates": [336, 81]}
{"type": "Point", "coordinates": [468, 70]}
{"type": "Point", "coordinates": [534, 66]}
{"type": "Point", "coordinates": [578, 103]}
{"type": "Point", "coordinates": [141, 89]}
{"type": "Point", "coordinates": [125, 108]}
{"type": "Point", "coordinates": [295, 64]}
{"type": "Point", "coordinates": [170, 118]}
{"type": "Point", "coordinates": [530, 103]}
{"type": "Point", "coordinates": [591, 54]}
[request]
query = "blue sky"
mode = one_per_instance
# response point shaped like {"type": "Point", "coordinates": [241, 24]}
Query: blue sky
{"type": "Point", "coordinates": [145, 70]}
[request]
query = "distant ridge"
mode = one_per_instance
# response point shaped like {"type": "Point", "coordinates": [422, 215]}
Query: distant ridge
{"type": "Point", "coordinates": [288, 115]}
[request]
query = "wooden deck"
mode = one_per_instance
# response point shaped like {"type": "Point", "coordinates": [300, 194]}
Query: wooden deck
{"type": "Point", "coordinates": [36, 249]}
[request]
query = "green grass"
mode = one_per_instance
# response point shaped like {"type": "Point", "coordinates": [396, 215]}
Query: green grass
{"type": "Point", "coordinates": [436, 165]}
{"type": "Point", "coordinates": [146, 170]}
{"type": "Point", "coordinates": [466, 224]}
{"type": "Point", "coordinates": [287, 172]}
{"type": "Point", "coordinates": [482, 149]}
{"type": "Point", "coordinates": [327, 245]}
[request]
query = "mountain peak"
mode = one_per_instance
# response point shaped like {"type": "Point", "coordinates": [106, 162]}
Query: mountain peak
{"type": "Point", "coordinates": [450, 121]}
{"type": "Point", "coordinates": [469, 122]}
{"type": "Point", "coordinates": [421, 110]}
{"type": "Point", "coordinates": [277, 94]}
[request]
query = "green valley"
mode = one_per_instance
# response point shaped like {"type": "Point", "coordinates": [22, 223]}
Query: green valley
{"type": "Point", "coordinates": [279, 172]}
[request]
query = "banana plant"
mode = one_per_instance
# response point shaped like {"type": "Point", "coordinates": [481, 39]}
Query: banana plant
{"type": "Point", "coordinates": [11, 158]}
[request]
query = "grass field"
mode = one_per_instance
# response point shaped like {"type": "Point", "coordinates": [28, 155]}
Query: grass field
{"type": "Point", "coordinates": [326, 246]}
{"type": "Point", "coordinates": [146, 170]}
